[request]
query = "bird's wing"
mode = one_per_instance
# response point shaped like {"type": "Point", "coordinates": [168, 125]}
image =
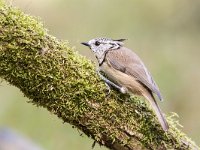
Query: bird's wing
{"type": "Point", "coordinates": [128, 62]}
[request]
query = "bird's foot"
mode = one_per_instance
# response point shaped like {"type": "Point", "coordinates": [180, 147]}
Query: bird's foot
{"type": "Point", "coordinates": [108, 89]}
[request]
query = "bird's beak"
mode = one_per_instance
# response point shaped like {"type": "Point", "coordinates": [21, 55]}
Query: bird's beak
{"type": "Point", "coordinates": [85, 43]}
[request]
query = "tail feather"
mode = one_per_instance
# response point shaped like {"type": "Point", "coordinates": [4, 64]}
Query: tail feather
{"type": "Point", "coordinates": [158, 112]}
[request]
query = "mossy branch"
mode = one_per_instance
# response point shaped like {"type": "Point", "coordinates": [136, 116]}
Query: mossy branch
{"type": "Point", "coordinates": [54, 76]}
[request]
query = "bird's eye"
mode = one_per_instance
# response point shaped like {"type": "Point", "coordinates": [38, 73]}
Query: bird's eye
{"type": "Point", "coordinates": [97, 43]}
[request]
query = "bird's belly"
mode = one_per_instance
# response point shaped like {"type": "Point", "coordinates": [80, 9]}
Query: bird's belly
{"type": "Point", "coordinates": [122, 79]}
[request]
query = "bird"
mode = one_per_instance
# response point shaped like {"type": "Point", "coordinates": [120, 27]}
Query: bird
{"type": "Point", "coordinates": [123, 69]}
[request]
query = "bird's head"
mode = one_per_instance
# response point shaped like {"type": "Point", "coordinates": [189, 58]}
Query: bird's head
{"type": "Point", "coordinates": [99, 45]}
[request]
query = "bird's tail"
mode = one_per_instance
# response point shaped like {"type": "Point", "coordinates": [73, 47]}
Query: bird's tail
{"type": "Point", "coordinates": [157, 110]}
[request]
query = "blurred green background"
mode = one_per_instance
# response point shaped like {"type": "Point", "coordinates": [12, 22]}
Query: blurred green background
{"type": "Point", "coordinates": [165, 34]}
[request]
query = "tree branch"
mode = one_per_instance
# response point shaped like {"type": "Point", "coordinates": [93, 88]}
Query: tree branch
{"type": "Point", "coordinates": [54, 76]}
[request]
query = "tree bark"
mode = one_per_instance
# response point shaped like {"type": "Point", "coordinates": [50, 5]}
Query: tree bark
{"type": "Point", "coordinates": [52, 75]}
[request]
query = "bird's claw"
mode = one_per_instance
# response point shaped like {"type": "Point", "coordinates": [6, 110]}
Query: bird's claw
{"type": "Point", "coordinates": [108, 89]}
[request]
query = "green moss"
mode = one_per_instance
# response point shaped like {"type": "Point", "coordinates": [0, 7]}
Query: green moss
{"type": "Point", "coordinates": [54, 76]}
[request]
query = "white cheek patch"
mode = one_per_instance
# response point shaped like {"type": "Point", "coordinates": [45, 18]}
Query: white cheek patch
{"type": "Point", "coordinates": [108, 46]}
{"type": "Point", "coordinates": [101, 50]}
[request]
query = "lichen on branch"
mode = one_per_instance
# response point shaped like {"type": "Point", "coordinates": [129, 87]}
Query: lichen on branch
{"type": "Point", "coordinates": [54, 76]}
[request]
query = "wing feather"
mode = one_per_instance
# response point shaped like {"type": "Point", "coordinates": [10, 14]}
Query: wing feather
{"type": "Point", "coordinates": [128, 62]}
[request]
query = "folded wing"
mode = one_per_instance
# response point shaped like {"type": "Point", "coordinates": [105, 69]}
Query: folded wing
{"type": "Point", "coordinates": [128, 62]}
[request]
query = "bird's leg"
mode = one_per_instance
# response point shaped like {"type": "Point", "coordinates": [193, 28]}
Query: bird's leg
{"type": "Point", "coordinates": [108, 83]}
